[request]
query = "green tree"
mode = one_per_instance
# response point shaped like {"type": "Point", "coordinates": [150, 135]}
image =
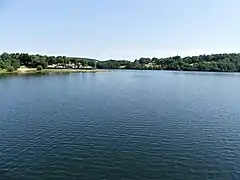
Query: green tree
{"type": "Point", "coordinates": [231, 67]}
{"type": "Point", "coordinates": [5, 56]}
{"type": "Point", "coordinates": [15, 64]}
{"type": "Point", "coordinates": [39, 67]}
{"type": "Point", "coordinates": [10, 69]}
{"type": "Point", "coordinates": [202, 66]}
{"type": "Point", "coordinates": [25, 59]}
{"type": "Point", "coordinates": [2, 64]}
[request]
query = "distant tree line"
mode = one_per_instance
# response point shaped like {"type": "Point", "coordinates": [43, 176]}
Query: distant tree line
{"type": "Point", "coordinates": [213, 62]}
{"type": "Point", "coordinates": [16, 60]}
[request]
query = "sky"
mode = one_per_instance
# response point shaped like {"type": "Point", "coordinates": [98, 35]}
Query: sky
{"type": "Point", "coordinates": [120, 29]}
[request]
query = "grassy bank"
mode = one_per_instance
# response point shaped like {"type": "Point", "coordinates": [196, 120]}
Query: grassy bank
{"type": "Point", "coordinates": [3, 71]}
{"type": "Point", "coordinates": [25, 70]}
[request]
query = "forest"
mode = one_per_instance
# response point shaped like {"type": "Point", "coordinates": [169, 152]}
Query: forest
{"type": "Point", "coordinates": [13, 61]}
{"type": "Point", "coordinates": [213, 62]}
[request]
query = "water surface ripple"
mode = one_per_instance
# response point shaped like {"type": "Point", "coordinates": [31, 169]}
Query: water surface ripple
{"type": "Point", "coordinates": [120, 125]}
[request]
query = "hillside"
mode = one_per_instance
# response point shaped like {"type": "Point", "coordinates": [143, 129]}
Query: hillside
{"type": "Point", "coordinates": [213, 62]}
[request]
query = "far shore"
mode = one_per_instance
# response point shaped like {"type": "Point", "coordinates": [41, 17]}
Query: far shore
{"type": "Point", "coordinates": [24, 70]}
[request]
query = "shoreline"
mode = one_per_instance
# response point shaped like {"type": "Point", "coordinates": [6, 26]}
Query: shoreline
{"type": "Point", "coordinates": [23, 71]}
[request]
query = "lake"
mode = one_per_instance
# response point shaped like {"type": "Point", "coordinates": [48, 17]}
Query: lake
{"type": "Point", "coordinates": [128, 125]}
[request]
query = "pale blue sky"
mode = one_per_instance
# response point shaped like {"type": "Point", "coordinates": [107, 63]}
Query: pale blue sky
{"type": "Point", "coordinates": [120, 29]}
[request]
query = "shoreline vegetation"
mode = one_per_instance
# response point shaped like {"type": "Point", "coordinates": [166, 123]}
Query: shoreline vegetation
{"type": "Point", "coordinates": [23, 63]}
{"type": "Point", "coordinates": [24, 70]}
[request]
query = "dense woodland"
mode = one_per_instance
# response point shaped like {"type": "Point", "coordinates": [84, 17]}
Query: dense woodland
{"type": "Point", "coordinates": [214, 62]}
{"type": "Point", "coordinates": [16, 60]}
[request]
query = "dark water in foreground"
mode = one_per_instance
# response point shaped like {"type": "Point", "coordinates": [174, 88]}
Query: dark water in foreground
{"type": "Point", "coordinates": [120, 125]}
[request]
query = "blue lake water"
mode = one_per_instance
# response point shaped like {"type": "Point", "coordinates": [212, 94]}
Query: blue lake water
{"type": "Point", "coordinates": [128, 125]}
